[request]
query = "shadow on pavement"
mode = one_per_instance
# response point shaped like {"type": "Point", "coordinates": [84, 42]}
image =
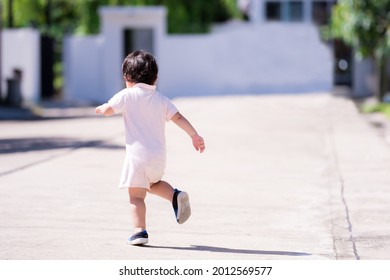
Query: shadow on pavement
{"type": "Point", "coordinates": [18, 145]}
{"type": "Point", "coordinates": [232, 251]}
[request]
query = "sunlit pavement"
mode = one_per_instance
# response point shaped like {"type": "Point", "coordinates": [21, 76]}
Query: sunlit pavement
{"type": "Point", "coordinates": [283, 177]}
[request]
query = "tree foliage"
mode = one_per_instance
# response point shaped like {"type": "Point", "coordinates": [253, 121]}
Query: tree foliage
{"type": "Point", "coordinates": [184, 16]}
{"type": "Point", "coordinates": [51, 17]}
{"type": "Point", "coordinates": [58, 17]}
{"type": "Point", "coordinates": [365, 25]}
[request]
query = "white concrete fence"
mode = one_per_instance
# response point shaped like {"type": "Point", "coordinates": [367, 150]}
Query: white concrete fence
{"type": "Point", "coordinates": [236, 58]}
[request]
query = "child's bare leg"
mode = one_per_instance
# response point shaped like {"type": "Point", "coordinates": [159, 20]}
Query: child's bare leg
{"type": "Point", "coordinates": [179, 199]}
{"type": "Point", "coordinates": [162, 189]}
{"type": "Point", "coordinates": [138, 208]}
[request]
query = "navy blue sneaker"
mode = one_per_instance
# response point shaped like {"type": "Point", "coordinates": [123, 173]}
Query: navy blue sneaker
{"type": "Point", "coordinates": [139, 238]}
{"type": "Point", "coordinates": [181, 206]}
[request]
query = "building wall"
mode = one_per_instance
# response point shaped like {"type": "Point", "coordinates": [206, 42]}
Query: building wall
{"type": "Point", "coordinates": [21, 50]}
{"type": "Point", "coordinates": [364, 81]}
{"type": "Point", "coordinates": [258, 9]}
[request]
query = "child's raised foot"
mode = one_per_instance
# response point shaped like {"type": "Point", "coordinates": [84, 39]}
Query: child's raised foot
{"type": "Point", "coordinates": [181, 206]}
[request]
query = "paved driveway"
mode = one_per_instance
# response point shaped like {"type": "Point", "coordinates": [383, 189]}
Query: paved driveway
{"type": "Point", "coordinates": [283, 177]}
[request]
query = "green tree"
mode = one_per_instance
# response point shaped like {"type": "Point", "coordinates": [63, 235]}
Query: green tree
{"type": "Point", "coordinates": [184, 16]}
{"type": "Point", "coordinates": [59, 17]}
{"type": "Point", "coordinates": [51, 17]}
{"type": "Point", "coordinates": [365, 25]}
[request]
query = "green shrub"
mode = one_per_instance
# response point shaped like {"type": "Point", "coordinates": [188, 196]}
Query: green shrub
{"type": "Point", "coordinates": [383, 108]}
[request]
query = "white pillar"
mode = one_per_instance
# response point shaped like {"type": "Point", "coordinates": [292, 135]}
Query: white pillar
{"type": "Point", "coordinates": [307, 11]}
{"type": "Point", "coordinates": [257, 11]}
{"type": "Point", "coordinates": [114, 21]}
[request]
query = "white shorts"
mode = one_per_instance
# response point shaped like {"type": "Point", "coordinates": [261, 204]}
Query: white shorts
{"type": "Point", "coordinates": [140, 174]}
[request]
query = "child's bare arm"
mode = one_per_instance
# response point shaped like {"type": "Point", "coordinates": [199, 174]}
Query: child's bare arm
{"type": "Point", "coordinates": [184, 124]}
{"type": "Point", "coordinates": [105, 110]}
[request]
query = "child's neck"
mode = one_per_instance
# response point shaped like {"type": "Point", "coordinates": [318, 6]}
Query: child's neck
{"type": "Point", "coordinates": [130, 84]}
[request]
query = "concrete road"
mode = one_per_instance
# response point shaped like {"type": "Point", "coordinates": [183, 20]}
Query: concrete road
{"type": "Point", "coordinates": [283, 177]}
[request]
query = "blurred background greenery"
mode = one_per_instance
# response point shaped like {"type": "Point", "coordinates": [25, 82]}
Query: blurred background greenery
{"type": "Point", "coordinates": [59, 17]}
{"type": "Point", "coordinates": [365, 26]}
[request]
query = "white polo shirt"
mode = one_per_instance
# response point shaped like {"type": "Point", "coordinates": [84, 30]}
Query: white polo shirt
{"type": "Point", "coordinates": [145, 112]}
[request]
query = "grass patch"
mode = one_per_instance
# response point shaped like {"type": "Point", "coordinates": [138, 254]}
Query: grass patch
{"type": "Point", "coordinates": [383, 108]}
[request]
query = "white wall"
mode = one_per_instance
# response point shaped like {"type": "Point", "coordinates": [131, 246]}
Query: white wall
{"type": "Point", "coordinates": [83, 67]}
{"type": "Point", "coordinates": [21, 49]}
{"type": "Point", "coordinates": [246, 58]}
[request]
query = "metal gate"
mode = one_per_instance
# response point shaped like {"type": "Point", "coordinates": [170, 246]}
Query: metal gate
{"type": "Point", "coordinates": [47, 67]}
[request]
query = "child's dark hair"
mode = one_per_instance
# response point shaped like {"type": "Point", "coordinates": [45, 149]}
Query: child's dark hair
{"type": "Point", "coordinates": [140, 67]}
